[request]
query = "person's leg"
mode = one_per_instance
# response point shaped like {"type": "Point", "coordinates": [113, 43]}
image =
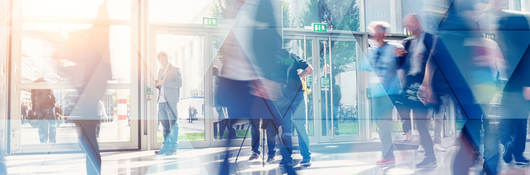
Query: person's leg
{"type": "Point", "coordinates": [3, 167]}
{"type": "Point", "coordinates": [491, 147]}
{"type": "Point", "coordinates": [303, 138]}
{"type": "Point", "coordinates": [404, 115]}
{"type": "Point", "coordinates": [255, 135]}
{"type": "Point", "coordinates": [519, 140]}
{"type": "Point", "coordinates": [271, 131]}
{"type": "Point", "coordinates": [229, 126]}
{"type": "Point", "coordinates": [89, 143]}
{"type": "Point", "coordinates": [286, 145]}
{"type": "Point", "coordinates": [224, 168]}
{"type": "Point", "coordinates": [468, 152]}
{"type": "Point", "coordinates": [422, 122]}
{"type": "Point", "coordinates": [163, 118]}
{"type": "Point", "coordinates": [52, 126]}
{"type": "Point", "coordinates": [438, 126]}
{"type": "Point", "coordinates": [506, 139]}
{"type": "Point", "coordinates": [174, 128]}
{"type": "Point", "coordinates": [336, 120]}
{"type": "Point", "coordinates": [53, 131]}
{"type": "Point", "coordinates": [300, 126]}
{"type": "Point", "coordinates": [383, 117]}
{"type": "Point", "coordinates": [43, 127]}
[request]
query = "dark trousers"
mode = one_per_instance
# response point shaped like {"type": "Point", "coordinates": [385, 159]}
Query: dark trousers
{"type": "Point", "coordinates": [514, 124]}
{"type": "Point", "coordinates": [89, 143]}
{"type": "Point", "coordinates": [514, 136]}
{"type": "Point", "coordinates": [226, 124]}
{"type": "Point", "coordinates": [421, 121]}
{"type": "Point", "coordinates": [271, 135]}
{"type": "Point", "coordinates": [404, 115]}
{"type": "Point", "coordinates": [285, 146]}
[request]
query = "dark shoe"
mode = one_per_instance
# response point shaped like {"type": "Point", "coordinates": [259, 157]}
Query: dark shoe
{"type": "Point", "coordinates": [305, 162]}
{"type": "Point", "coordinates": [270, 159]}
{"type": "Point", "coordinates": [521, 160]}
{"type": "Point", "coordinates": [160, 152]}
{"type": "Point", "coordinates": [287, 168]}
{"type": "Point", "coordinates": [253, 156]}
{"type": "Point", "coordinates": [507, 157]}
{"type": "Point", "coordinates": [427, 163]}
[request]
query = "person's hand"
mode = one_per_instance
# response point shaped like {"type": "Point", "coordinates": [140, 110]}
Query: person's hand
{"type": "Point", "coordinates": [526, 93]}
{"type": "Point", "coordinates": [425, 94]}
{"type": "Point", "coordinates": [400, 52]}
{"type": "Point", "coordinates": [266, 89]}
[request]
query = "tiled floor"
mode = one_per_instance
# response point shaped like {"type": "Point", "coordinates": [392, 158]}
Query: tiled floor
{"type": "Point", "coordinates": [327, 159]}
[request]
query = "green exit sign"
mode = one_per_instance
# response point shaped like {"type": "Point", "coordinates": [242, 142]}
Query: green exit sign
{"type": "Point", "coordinates": [320, 27]}
{"type": "Point", "coordinates": [490, 36]}
{"type": "Point", "coordinates": [209, 21]}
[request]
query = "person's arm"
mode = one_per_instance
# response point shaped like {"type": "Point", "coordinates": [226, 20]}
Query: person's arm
{"type": "Point", "coordinates": [308, 70]}
{"type": "Point", "coordinates": [426, 94]}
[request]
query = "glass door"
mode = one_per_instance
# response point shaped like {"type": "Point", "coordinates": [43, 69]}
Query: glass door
{"type": "Point", "coordinates": [37, 33]}
{"type": "Point", "coordinates": [338, 110]}
{"type": "Point", "coordinates": [187, 52]}
{"type": "Point", "coordinates": [303, 47]}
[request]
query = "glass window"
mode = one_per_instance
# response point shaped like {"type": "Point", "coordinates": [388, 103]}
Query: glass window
{"type": "Point", "coordinates": [37, 51]}
{"type": "Point", "coordinates": [79, 9]}
{"type": "Point", "coordinates": [171, 11]}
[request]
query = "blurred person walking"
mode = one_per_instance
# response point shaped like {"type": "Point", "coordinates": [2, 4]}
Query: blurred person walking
{"type": "Point", "coordinates": [513, 37]}
{"type": "Point", "coordinates": [417, 93]}
{"type": "Point", "coordinates": [384, 85]}
{"type": "Point", "coordinates": [89, 51]}
{"type": "Point", "coordinates": [250, 84]}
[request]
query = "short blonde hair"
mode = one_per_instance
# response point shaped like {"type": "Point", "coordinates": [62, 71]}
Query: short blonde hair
{"type": "Point", "coordinates": [379, 24]}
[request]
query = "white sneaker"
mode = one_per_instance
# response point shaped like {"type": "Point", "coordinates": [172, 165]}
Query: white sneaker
{"type": "Point", "coordinates": [420, 149]}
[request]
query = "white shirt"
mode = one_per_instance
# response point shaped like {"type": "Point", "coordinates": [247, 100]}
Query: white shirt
{"type": "Point", "coordinates": [418, 49]}
{"type": "Point", "coordinates": [162, 98]}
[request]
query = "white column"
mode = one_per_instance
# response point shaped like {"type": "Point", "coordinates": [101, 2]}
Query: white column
{"type": "Point", "coordinates": [395, 16]}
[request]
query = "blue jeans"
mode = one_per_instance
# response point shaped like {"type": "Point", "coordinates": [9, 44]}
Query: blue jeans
{"type": "Point", "coordinates": [299, 121]}
{"type": "Point", "coordinates": [167, 115]}
{"type": "Point", "coordinates": [47, 126]}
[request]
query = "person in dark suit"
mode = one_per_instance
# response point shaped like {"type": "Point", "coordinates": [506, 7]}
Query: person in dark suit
{"type": "Point", "coordinates": [415, 58]}
{"type": "Point", "coordinates": [514, 37]}
{"type": "Point", "coordinates": [169, 83]}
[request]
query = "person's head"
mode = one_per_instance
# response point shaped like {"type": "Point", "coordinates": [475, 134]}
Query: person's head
{"type": "Point", "coordinates": [163, 58]}
{"type": "Point", "coordinates": [379, 29]}
{"type": "Point", "coordinates": [413, 24]}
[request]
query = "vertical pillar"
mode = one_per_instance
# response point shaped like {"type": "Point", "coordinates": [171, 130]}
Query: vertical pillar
{"type": "Point", "coordinates": [395, 16]}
